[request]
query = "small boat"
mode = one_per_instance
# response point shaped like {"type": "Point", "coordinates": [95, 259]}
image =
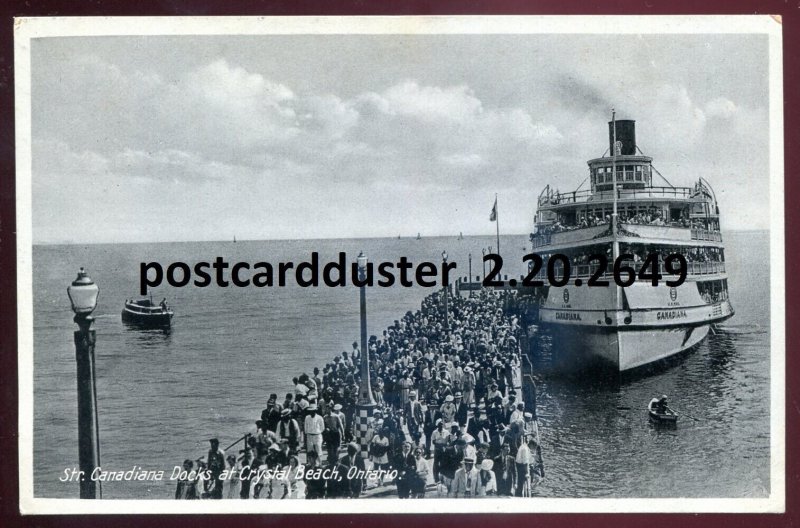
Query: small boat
{"type": "Point", "coordinates": [662, 418]}
{"type": "Point", "coordinates": [146, 314]}
{"type": "Point", "coordinates": [419, 236]}
{"type": "Point", "coordinates": [460, 236]}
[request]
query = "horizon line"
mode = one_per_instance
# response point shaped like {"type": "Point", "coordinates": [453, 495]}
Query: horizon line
{"type": "Point", "coordinates": [76, 243]}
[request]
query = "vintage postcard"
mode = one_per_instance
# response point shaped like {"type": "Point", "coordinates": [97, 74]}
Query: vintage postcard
{"type": "Point", "coordinates": [484, 264]}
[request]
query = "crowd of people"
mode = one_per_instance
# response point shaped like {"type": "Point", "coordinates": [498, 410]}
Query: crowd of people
{"type": "Point", "coordinates": [449, 415]}
{"type": "Point", "coordinates": [653, 217]}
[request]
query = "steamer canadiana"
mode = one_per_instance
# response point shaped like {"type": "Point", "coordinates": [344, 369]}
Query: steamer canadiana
{"type": "Point", "coordinates": [631, 326]}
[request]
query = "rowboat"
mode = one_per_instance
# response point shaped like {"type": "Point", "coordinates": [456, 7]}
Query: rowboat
{"type": "Point", "coordinates": [145, 313]}
{"type": "Point", "coordinates": [667, 418]}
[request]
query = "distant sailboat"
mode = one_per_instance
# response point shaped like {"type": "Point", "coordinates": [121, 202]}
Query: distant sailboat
{"type": "Point", "coordinates": [398, 237]}
{"type": "Point", "coordinates": [419, 237]}
{"type": "Point", "coordinates": [234, 239]}
{"type": "Point", "coordinates": [460, 235]}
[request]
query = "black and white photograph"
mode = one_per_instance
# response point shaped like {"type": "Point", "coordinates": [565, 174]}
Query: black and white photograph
{"type": "Point", "coordinates": [486, 264]}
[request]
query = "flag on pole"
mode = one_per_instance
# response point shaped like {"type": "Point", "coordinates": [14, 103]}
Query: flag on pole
{"type": "Point", "coordinates": [493, 214]}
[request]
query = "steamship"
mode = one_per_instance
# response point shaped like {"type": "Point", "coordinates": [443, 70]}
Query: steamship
{"type": "Point", "coordinates": [628, 327]}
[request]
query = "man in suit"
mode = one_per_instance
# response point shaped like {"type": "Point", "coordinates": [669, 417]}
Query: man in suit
{"type": "Point", "coordinates": [505, 471]}
{"type": "Point", "coordinates": [414, 417]}
{"type": "Point", "coordinates": [461, 410]}
{"type": "Point", "coordinates": [406, 466]}
{"type": "Point", "coordinates": [429, 418]}
{"type": "Point", "coordinates": [272, 414]}
{"type": "Point", "coordinates": [353, 459]}
{"type": "Point", "coordinates": [465, 482]}
{"type": "Point", "coordinates": [498, 439]}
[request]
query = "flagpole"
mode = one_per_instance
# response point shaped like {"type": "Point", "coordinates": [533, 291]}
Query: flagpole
{"type": "Point", "coordinates": [614, 217]}
{"type": "Point", "coordinates": [497, 221]}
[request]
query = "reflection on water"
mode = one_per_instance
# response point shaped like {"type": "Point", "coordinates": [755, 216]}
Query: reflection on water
{"type": "Point", "coordinates": [599, 438]}
{"type": "Point", "coordinates": [137, 337]}
{"type": "Point", "coordinates": [162, 394]}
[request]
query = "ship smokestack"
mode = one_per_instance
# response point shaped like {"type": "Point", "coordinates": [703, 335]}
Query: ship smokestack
{"type": "Point", "coordinates": [626, 134]}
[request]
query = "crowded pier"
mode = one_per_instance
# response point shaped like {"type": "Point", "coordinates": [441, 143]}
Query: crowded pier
{"type": "Point", "coordinates": [449, 418]}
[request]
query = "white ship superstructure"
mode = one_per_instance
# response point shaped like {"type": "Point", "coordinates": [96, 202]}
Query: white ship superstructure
{"type": "Point", "coordinates": [630, 326]}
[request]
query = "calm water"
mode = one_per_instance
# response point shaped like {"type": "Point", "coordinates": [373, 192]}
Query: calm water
{"type": "Point", "coordinates": [160, 396]}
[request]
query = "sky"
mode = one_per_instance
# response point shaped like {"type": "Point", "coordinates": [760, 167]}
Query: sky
{"type": "Point", "coordinates": [180, 138]}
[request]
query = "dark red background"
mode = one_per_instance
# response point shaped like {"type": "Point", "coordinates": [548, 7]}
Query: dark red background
{"type": "Point", "coordinates": [9, 491]}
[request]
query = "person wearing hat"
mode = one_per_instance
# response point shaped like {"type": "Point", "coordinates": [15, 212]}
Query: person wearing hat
{"type": "Point", "coordinates": [187, 482]}
{"type": "Point", "coordinates": [272, 414]}
{"type": "Point", "coordinates": [494, 391]}
{"type": "Point", "coordinates": [405, 384]}
{"type": "Point", "coordinates": [469, 446]}
{"type": "Point", "coordinates": [659, 405]}
{"type": "Point", "coordinates": [414, 416]}
{"type": "Point", "coordinates": [461, 409]}
{"type": "Point", "coordinates": [487, 483]}
{"type": "Point", "coordinates": [353, 459]}
{"type": "Point", "coordinates": [245, 477]}
{"type": "Point", "coordinates": [216, 465]}
{"type": "Point", "coordinates": [440, 439]}
{"type": "Point", "coordinates": [234, 471]}
{"type": "Point", "coordinates": [334, 431]}
{"type": "Point", "coordinates": [314, 426]}
{"type": "Point", "coordinates": [448, 409]}
{"type": "Point", "coordinates": [505, 471]}
{"type": "Point", "coordinates": [379, 450]}
{"type": "Point", "coordinates": [465, 481]}
{"type": "Point", "coordinates": [468, 385]}
{"type": "Point", "coordinates": [499, 438]}
{"type": "Point", "coordinates": [523, 459]}
{"type": "Point", "coordinates": [288, 402]}
{"type": "Point", "coordinates": [317, 379]}
{"type": "Point", "coordinates": [406, 466]}
{"type": "Point", "coordinates": [421, 474]}
{"type": "Point", "coordinates": [314, 481]}
{"type": "Point", "coordinates": [429, 418]}
{"type": "Point", "coordinates": [289, 431]}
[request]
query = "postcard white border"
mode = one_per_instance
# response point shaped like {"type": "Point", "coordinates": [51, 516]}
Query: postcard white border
{"type": "Point", "coordinates": [26, 29]}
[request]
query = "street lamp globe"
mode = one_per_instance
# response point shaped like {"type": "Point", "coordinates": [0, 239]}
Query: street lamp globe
{"type": "Point", "coordinates": [362, 261]}
{"type": "Point", "coordinates": [444, 256]}
{"type": "Point", "coordinates": [83, 294]}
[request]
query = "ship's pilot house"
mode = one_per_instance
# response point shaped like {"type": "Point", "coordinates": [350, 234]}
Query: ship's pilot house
{"type": "Point", "coordinates": [633, 171]}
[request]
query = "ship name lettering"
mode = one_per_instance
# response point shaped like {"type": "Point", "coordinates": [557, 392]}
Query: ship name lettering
{"type": "Point", "coordinates": [568, 316]}
{"type": "Point", "coordinates": [674, 314]}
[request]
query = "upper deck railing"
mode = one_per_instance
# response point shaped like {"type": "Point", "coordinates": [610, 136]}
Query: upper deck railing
{"type": "Point", "coordinates": [588, 270]}
{"type": "Point", "coordinates": [574, 197]}
{"type": "Point", "coordinates": [665, 233]}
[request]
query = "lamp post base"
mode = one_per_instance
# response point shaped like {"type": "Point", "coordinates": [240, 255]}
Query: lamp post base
{"type": "Point", "coordinates": [363, 418]}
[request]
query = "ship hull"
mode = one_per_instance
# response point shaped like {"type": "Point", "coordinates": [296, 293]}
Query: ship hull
{"type": "Point", "coordinates": [620, 350]}
{"type": "Point", "coordinates": [654, 323]}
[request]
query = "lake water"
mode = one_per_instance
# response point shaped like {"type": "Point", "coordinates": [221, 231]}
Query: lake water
{"type": "Point", "coordinates": [161, 395]}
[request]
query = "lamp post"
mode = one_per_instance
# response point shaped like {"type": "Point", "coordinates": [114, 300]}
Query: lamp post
{"type": "Point", "coordinates": [83, 294]}
{"type": "Point", "coordinates": [470, 274]}
{"type": "Point", "coordinates": [446, 290]}
{"type": "Point", "coordinates": [366, 404]}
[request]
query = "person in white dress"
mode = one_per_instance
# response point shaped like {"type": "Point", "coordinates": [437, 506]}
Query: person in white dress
{"type": "Point", "coordinates": [487, 483]}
